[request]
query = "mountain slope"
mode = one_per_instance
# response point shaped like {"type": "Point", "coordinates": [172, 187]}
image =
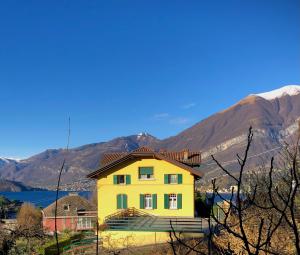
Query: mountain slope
{"type": "Point", "coordinates": [42, 169]}
{"type": "Point", "coordinates": [273, 116]}
{"type": "Point", "coordinates": [12, 186]}
{"type": "Point", "coordinates": [268, 118]}
{"type": "Point", "coordinates": [6, 161]}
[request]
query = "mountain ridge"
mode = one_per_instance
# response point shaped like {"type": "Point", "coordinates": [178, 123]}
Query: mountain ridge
{"type": "Point", "coordinates": [222, 134]}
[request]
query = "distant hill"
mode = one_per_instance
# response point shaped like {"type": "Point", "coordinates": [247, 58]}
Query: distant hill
{"type": "Point", "coordinates": [42, 169]}
{"type": "Point", "coordinates": [12, 186]}
{"type": "Point", "coordinates": [5, 161]}
{"type": "Point", "coordinates": [273, 115]}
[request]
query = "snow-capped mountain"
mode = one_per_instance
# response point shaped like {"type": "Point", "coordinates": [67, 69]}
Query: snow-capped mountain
{"type": "Point", "coordinates": [4, 161]}
{"type": "Point", "coordinates": [41, 169]}
{"type": "Point", "coordinates": [291, 90]}
{"type": "Point", "coordinates": [274, 116]}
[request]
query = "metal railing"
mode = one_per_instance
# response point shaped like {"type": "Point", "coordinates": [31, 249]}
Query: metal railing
{"type": "Point", "coordinates": [78, 246]}
{"type": "Point", "coordinates": [155, 224]}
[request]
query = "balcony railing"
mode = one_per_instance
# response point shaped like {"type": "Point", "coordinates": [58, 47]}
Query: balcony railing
{"type": "Point", "coordinates": [134, 220]}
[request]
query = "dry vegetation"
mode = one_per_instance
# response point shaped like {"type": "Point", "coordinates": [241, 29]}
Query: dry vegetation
{"type": "Point", "coordinates": [262, 216]}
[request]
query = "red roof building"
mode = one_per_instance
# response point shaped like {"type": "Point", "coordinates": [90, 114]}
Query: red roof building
{"type": "Point", "coordinates": [74, 213]}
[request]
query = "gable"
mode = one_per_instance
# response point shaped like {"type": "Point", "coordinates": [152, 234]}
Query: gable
{"type": "Point", "coordinates": [119, 163]}
{"type": "Point", "coordinates": [159, 168]}
{"type": "Point", "coordinates": [75, 203]}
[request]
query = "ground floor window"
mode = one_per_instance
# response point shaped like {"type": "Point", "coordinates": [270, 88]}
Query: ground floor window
{"type": "Point", "coordinates": [172, 201]}
{"type": "Point", "coordinates": [84, 223]}
{"type": "Point", "coordinates": [121, 201]}
{"type": "Point", "coordinates": [148, 201]}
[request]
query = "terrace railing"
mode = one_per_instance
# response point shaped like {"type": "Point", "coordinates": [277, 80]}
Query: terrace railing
{"type": "Point", "coordinates": [135, 220]}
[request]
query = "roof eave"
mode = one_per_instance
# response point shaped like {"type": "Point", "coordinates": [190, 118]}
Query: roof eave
{"type": "Point", "coordinates": [133, 155]}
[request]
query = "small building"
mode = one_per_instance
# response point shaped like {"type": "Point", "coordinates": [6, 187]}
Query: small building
{"type": "Point", "coordinates": [141, 192]}
{"type": "Point", "coordinates": [74, 213]}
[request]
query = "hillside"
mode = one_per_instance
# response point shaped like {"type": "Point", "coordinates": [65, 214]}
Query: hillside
{"type": "Point", "coordinates": [42, 169]}
{"type": "Point", "coordinates": [273, 116]}
{"type": "Point", "coordinates": [274, 119]}
{"type": "Point", "coordinates": [12, 186]}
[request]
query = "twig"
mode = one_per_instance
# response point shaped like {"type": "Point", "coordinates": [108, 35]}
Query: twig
{"type": "Point", "coordinates": [57, 188]}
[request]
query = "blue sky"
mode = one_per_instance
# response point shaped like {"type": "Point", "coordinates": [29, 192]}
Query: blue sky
{"type": "Point", "coordinates": [122, 67]}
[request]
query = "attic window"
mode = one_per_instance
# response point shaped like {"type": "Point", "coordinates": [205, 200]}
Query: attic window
{"type": "Point", "coordinates": [66, 207]}
{"type": "Point", "coordinates": [146, 173]}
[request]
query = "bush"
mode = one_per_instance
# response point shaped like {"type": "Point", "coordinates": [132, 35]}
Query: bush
{"type": "Point", "coordinates": [29, 217]}
{"type": "Point", "coordinates": [202, 205]}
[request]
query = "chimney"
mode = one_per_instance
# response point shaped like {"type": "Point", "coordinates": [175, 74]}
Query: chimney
{"type": "Point", "coordinates": [185, 154]}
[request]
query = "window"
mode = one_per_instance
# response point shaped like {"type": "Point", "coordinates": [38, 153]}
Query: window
{"type": "Point", "coordinates": [172, 201]}
{"type": "Point", "coordinates": [148, 201]}
{"type": "Point", "coordinates": [146, 173]}
{"type": "Point", "coordinates": [121, 201]}
{"type": "Point", "coordinates": [122, 179]}
{"type": "Point", "coordinates": [84, 223]}
{"type": "Point", "coordinates": [173, 179]}
{"type": "Point", "coordinates": [66, 207]}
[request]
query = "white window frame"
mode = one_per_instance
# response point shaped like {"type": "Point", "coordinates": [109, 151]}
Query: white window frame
{"type": "Point", "coordinates": [146, 176]}
{"type": "Point", "coordinates": [173, 201]}
{"type": "Point", "coordinates": [148, 201]}
{"type": "Point", "coordinates": [84, 223]}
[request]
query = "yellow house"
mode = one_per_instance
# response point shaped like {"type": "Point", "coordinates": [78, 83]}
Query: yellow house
{"type": "Point", "coordinates": [143, 195]}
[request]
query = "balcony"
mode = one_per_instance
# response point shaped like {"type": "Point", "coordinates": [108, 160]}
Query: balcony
{"type": "Point", "coordinates": [134, 220]}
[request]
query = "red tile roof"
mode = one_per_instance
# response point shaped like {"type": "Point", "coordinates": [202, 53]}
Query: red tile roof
{"type": "Point", "coordinates": [74, 202]}
{"type": "Point", "coordinates": [184, 159]}
{"type": "Point", "coordinates": [110, 157]}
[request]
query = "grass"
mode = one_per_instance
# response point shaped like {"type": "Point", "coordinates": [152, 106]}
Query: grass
{"type": "Point", "coordinates": [65, 239]}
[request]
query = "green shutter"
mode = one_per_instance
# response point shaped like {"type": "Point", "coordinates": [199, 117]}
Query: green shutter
{"type": "Point", "coordinates": [142, 201]}
{"type": "Point", "coordinates": [166, 179]}
{"type": "Point", "coordinates": [166, 201]}
{"type": "Point", "coordinates": [146, 170]}
{"type": "Point", "coordinates": [115, 179]}
{"type": "Point", "coordinates": [154, 201]}
{"type": "Point", "coordinates": [128, 179]}
{"type": "Point", "coordinates": [179, 178]}
{"type": "Point", "coordinates": [124, 201]}
{"type": "Point", "coordinates": [179, 201]}
{"type": "Point", "coordinates": [119, 202]}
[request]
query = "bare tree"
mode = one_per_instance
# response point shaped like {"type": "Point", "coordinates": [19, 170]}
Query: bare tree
{"type": "Point", "coordinates": [262, 220]}
{"type": "Point", "coordinates": [58, 187]}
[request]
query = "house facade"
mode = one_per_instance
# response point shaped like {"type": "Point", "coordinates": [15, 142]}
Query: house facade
{"type": "Point", "coordinates": [146, 186]}
{"type": "Point", "coordinates": [74, 213]}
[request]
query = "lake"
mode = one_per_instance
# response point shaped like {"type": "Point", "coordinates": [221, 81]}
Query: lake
{"type": "Point", "coordinates": [45, 198]}
{"type": "Point", "coordinates": [40, 198]}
